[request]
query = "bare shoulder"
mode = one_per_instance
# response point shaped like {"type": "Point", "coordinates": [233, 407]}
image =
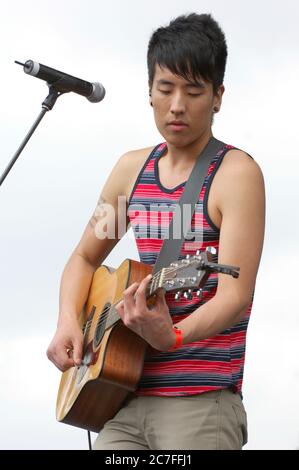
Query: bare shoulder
{"type": "Point", "coordinates": [130, 164]}
{"type": "Point", "coordinates": [237, 169]}
{"type": "Point", "coordinates": [121, 179]}
{"type": "Point", "coordinates": [240, 178]}
{"type": "Point", "coordinates": [134, 158]}
{"type": "Point", "coordinates": [239, 163]}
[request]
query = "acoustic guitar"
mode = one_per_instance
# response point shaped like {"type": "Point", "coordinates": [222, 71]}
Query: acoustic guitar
{"type": "Point", "coordinates": [113, 355]}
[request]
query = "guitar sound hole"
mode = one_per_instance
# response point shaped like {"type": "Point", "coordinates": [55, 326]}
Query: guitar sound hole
{"type": "Point", "coordinates": [100, 328]}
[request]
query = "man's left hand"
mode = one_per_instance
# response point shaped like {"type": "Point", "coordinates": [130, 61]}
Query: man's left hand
{"type": "Point", "coordinates": [154, 323]}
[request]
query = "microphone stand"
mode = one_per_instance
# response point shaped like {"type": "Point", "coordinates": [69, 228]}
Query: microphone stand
{"type": "Point", "coordinates": [47, 105]}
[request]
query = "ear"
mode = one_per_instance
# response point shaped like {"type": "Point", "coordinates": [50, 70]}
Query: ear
{"type": "Point", "coordinates": [218, 98]}
{"type": "Point", "coordinates": [150, 97]}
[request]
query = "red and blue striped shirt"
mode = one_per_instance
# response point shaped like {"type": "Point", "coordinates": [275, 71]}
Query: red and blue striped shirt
{"type": "Point", "coordinates": [205, 365]}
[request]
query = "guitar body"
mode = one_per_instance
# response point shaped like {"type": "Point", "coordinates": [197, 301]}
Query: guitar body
{"type": "Point", "coordinates": [112, 365]}
{"type": "Point", "coordinates": [113, 355]}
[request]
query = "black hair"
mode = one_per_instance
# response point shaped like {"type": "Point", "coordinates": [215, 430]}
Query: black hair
{"type": "Point", "coordinates": [192, 46]}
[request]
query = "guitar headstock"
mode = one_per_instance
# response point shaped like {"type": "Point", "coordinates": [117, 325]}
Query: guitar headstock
{"type": "Point", "coordinates": [190, 274]}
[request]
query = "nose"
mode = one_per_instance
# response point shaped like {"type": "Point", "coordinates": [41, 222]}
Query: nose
{"type": "Point", "coordinates": [177, 104]}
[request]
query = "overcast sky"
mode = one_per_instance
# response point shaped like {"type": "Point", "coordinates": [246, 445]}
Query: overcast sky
{"type": "Point", "coordinates": [49, 195]}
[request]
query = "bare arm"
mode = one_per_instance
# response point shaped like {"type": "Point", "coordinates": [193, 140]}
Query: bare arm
{"type": "Point", "coordinates": [241, 199]}
{"type": "Point", "coordinates": [98, 239]}
{"type": "Point", "coordinates": [91, 251]}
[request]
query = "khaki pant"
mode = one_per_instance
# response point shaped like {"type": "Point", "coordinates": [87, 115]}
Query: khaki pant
{"type": "Point", "coordinates": [212, 420]}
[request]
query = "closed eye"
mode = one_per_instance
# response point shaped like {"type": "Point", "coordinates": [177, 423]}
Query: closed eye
{"type": "Point", "coordinates": [165, 92]}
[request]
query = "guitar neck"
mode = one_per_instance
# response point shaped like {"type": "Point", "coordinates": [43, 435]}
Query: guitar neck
{"type": "Point", "coordinates": [155, 283]}
{"type": "Point", "coordinates": [184, 277]}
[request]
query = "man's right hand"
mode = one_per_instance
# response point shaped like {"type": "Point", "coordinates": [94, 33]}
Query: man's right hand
{"type": "Point", "coordinates": [65, 349]}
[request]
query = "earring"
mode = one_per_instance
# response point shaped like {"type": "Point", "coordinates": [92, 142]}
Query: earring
{"type": "Point", "coordinates": [215, 109]}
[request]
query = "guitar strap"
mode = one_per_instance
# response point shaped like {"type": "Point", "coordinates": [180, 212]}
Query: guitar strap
{"type": "Point", "coordinates": [171, 247]}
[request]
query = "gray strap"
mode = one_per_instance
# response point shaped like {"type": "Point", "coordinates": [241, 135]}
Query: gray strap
{"type": "Point", "coordinates": [171, 247]}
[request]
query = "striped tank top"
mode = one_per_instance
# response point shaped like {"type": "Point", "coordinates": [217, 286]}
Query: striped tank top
{"type": "Point", "coordinates": [205, 365]}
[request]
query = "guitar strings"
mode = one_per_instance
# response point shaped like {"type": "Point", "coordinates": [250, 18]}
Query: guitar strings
{"type": "Point", "coordinates": [155, 278]}
{"type": "Point", "coordinates": [107, 310]}
{"type": "Point", "coordinates": [105, 313]}
{"type": "Point", "coordinates": [110, 310]}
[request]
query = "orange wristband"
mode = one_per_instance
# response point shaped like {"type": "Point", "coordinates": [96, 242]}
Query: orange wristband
{"type": "Point", "coordinates": [178, 340]}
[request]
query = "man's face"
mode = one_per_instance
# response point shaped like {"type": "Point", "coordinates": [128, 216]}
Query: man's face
{"type": "Point", "coordinates": [183, 110]}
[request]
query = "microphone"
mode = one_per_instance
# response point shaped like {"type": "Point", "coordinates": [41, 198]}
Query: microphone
{"type": "Point", "coordinates": [63, 82]}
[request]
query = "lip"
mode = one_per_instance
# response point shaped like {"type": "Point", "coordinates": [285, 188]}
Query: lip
{"type": "Point", "coordinates": [177, 125]}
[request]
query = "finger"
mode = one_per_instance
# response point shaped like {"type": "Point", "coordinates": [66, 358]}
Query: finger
{"type": "Point", "coordinates": [68, 361]}
{"type": "Point", "coordinates": [62, 360]}
{"type": "Point", "coordinates": [77, 352]}
{"type": "Point", "coordinates": [159, 301]}
{"type": "Point", "coordinates": [65, 365]}
{"type": "Point", "coordinates": [140, 295]}
{"type": "Point", "coordinates": [128, 297]}
{"type": "Point", "coordinates": [161, 295]}
{"type": "Point", "coordinates": [131, 289]}
{"type": "Point", "coordinates": [120, 308]}
{"type": "Point", "coordinates": [70, 353]}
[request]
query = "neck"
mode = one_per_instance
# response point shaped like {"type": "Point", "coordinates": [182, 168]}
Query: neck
{"type": "Point", "coordinates": [189, 153]}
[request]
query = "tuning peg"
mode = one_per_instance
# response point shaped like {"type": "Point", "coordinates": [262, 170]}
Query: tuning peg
{"type": "Point", "coordinates": [199, 293]}
{"type": "Point", "coordinates": [188, 294]}
{"type": "Point", "coordinates": [212, 250]}
{"type": "Point", "coordinates": [178, 295]}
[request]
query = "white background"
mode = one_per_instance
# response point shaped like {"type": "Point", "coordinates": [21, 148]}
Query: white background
{"type": "Point", "coordinates": [49, 195]}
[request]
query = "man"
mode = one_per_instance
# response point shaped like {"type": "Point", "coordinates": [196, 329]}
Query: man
{"type": "Point", "coordinates": [189, 396]}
